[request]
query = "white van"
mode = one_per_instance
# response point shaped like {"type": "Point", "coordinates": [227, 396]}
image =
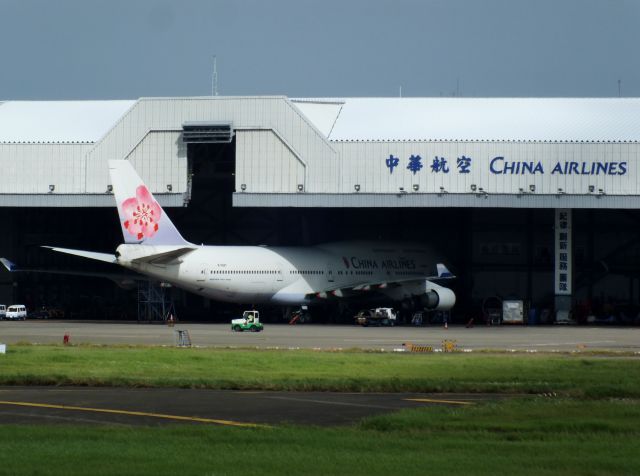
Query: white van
{"type": "Point", "coordinates": [16, 312]}
{"type": "Point", "coordinates": [3, 311]}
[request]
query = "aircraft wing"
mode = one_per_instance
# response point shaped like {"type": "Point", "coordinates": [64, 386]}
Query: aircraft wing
{"type": "Point", "coordinates": [126, 281]}
{"type": "Point", "coordinates": [351, 291]}
{"type": "Point", "coordinates": [442, 274]}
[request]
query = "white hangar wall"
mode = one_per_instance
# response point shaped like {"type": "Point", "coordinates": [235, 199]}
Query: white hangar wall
{"type": "Point", "coordinates": [516, 167]}
{"type": "Point", "coordinates": [271, 122]}
{"type": "Point", "coordinates": [161, 157]}
{"type": "Point", "coordinates": [467, 152]}
{"type": "Point", "coordinates": [31, 168]}
{"type": "Point", "coordinates": [267, 164]}
{"type": "Point", "coordinates": [269, 130]}
{"type": "Point", "coordinates": [354, 152]}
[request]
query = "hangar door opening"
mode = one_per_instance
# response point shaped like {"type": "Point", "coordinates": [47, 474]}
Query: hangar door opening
{"type": "Point", "coordinates": [211, 154]}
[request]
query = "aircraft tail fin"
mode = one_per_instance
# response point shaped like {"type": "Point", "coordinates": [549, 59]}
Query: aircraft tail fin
{"type": "Point", "coordinates": [141, 217]}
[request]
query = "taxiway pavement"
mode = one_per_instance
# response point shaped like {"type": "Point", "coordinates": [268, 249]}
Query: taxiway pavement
{"type": "Point", "coordinates": [161, 406]}
{"type": "Point", "coordinates": [316, 336]}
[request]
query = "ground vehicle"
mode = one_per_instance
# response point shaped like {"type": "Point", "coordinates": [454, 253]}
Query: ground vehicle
{"type": "Point", "coordinates": [42, 313]}
{"type": "Point", "coordinates": [16, 312]}
{"type": "Point", "coordinates": [381, 316]}
{"type": "Point", "coordinates": [250, 321]}
{"type": "Point", "coordinates": [3, 311]}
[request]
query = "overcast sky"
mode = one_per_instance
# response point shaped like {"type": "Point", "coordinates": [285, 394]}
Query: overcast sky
{"type": "Point", "coordinates": [125, 49]}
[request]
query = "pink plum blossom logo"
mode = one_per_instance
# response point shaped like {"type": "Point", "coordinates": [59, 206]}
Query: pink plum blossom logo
{"type": "Point", "coordinates": [142, 214]}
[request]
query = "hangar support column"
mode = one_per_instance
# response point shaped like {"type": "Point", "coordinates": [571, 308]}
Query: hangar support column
{"type": "Point", "coordinates": [563, 263]}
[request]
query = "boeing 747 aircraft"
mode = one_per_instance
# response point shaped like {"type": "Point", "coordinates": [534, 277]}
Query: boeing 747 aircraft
{"type": "Point", "coordinates": [259, 274]}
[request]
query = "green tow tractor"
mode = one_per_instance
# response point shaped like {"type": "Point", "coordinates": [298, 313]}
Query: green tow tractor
{"type": "Point", "coordinates": [250, 321]}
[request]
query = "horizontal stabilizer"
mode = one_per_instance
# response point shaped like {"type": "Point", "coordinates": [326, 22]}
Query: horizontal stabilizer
{"type": "Point", "coordinates": [163, 258]}
{"type": "Point", "coordinates": [125, 281]}
{"type": "Point", "coordinates": [106, 257]}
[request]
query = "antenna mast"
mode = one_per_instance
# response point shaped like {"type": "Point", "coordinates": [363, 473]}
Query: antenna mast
{"type": "Point", "coordinates": [214, 77]}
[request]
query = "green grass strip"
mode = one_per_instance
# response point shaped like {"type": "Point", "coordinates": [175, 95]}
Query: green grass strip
{"type": "Point", "coordinates": [533, 436]}
{"type": "Point", "coordinates": [576, 376]}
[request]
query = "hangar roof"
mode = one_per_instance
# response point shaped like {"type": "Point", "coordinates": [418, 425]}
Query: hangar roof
{"type": "Point", "coordinates": [476, 119]}
{"type": "Point", "coordinates": [58, 121]}
{"type": "Point", "coordinates": [369, 119]}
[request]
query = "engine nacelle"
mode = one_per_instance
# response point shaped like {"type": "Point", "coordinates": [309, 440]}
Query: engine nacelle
{"type": "Point", "coordinates": [439, 298]}
{"type": "Point", "coordinates": [423, 294]}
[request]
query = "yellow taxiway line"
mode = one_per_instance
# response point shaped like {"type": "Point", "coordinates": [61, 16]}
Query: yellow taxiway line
{"type": "Point", "coordinates": [133, 413]}
{"type": "Point", "coordinates": [447, 402]}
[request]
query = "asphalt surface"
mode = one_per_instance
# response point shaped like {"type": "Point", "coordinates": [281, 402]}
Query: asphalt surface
{"type": "Point", "coordinates": [124, 406]}
{"type": "Point", "coordinates": [311, 336]}
{"type": "Point", "coordinates": [152, 407]}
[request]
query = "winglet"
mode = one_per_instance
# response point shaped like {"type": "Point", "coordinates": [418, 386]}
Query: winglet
{"type": "Point", "coordinates": [443, 272]}
{"type": "Point", "coordinates": [8, 264]}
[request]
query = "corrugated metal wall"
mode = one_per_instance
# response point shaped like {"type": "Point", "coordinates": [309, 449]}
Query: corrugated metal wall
{"type": "Point", "coordinates": [278, 151]}
{"type": "Point", "coordinates": [263, 113]}
{"type": "Point", "coordinates": [162, 158]}
{"type": "Point", "coordinates": [31, 168]}
{"type": "Point", "coordinates": [365, 164]}
{"type": "Point", "coordinates": [265, 164]}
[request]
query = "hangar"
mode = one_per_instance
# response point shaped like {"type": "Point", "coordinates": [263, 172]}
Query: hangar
{"type": "Point", "coordinates": [528, 198]}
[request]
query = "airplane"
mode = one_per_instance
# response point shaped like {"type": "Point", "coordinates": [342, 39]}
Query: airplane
{"type": "Point", "coordinates": [290, 276]}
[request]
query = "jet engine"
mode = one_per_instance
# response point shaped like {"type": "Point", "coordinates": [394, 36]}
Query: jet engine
{"type": "Point", "coordinates": [439, 299]}
{"type": "Point", "coordinates": [425, 294]}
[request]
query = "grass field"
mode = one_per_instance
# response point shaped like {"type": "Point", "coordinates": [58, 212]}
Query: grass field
{"type": "Point", "coordinates": [591, 427]}
{"type": "Point", "coordinates": [525, 437]}
{"type": "Point", "coordinates": [569, 375]}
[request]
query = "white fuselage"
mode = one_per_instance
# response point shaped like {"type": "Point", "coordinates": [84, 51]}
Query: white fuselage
{"type": "Point", "coordinates": [256, 274]}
